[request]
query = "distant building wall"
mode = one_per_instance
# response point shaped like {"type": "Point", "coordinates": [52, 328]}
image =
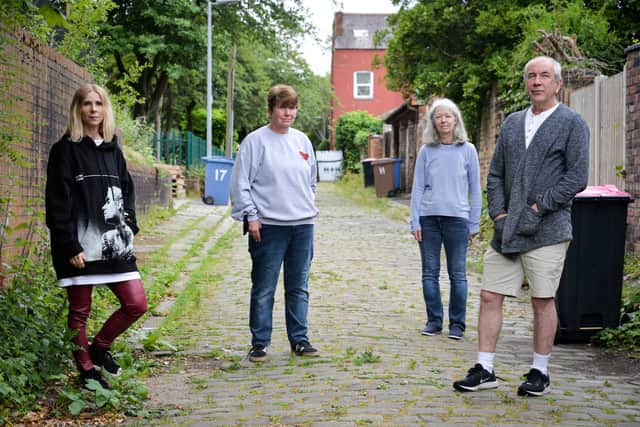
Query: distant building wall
{"type": "Point", "coordinates": [354, 49]}
{"type": "Point", "coordinates": [345, 64]}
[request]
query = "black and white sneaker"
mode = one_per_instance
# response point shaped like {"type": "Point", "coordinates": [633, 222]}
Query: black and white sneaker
{"type": "Point", "coordinates": [258, 353]}
{"type": "Point", "coordinates": [303, 348]}
{"type": "Point", "coordinates": [477, 378]}
{"type": "Point", "coordinates": [535, 384]}
{"type": "Point", "coordinates": [102, 359]}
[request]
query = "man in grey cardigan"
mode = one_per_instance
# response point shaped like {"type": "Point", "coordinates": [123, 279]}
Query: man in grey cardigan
{"type": "Point", "coordinates": [540, 162]}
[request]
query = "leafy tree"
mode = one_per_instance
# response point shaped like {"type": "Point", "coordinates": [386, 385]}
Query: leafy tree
{"type": "Point", "coordinates": [351, 133]}
{"type": "Point", "coordinates": [622, 15]}
{"type": "Point", "coordinates": [458, 49]}
{"type": "Point", "coordinates": [579, 39]}
{"type": "Point", "coordinates": [169, 39]}
{"type": "Point", "coordinates": [218, 125]}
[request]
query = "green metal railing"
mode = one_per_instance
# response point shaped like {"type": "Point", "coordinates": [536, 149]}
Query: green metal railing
{"type": "Point", "coordinates": [185, 149]}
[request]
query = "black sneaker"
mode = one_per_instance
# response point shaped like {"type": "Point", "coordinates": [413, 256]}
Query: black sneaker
{"type": "Point", "coordinates": [430, 330]}
{"type": "Point", "coordinates": [258, 353]}
{"type": "Point", "coordinates": [93, 374]}
{"type": "Point", "coordinates": [102, 359]}
{"type": "Point", "coordinates": [477, 378]}
{"type": "Point", "coordinates": [456, 332]}
{"type": "Point", "coordinates": [535, 384]}
{"type": "Point", "coordinates": [303, 348]}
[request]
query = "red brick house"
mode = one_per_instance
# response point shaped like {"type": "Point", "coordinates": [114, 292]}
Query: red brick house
{"type": "Point", "coordinates": [357, 84]}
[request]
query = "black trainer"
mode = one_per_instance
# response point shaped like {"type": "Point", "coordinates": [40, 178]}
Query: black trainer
{"type": "Point", "coordinates": [477, 378]}
{"type": "Point", "coordinates": [258, 353]}
{"type": "Point", "coordinates": [535, 384]}
{"type": "Point", "coordinates": [102, 359]}
{"type": "Point", "coordinates": [303, 348]}
{"type": "Point", "coordinates": [92, 374]}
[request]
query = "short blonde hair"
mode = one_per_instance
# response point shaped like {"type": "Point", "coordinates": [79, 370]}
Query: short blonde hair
{"type": "Point", "coordinates": [430, 135]}
{"type": "Point", "coordinates": [75, 128]}
{"type": "Point", "coordinates": [282, 96]}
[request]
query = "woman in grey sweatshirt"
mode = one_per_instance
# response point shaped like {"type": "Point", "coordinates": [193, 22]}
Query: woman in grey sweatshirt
{"type": "Point", "coordinates": [273, 186]}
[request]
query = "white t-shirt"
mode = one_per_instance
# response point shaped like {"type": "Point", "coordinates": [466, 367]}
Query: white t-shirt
{"type": "Point", "coordinates": [533, 121]}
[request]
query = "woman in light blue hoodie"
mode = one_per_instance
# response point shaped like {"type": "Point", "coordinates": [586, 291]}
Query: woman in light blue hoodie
{"type": "Point", "coordinates": [273, 186]}
{"type": "Point", "coordinates": [445, 210]}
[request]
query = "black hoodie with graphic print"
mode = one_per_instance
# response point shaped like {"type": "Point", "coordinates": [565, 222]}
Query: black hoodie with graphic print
{"type": "Point", "coordinates": [90, 207]}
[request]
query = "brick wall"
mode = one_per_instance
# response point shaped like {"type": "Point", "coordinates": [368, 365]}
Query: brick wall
{"type": "Point", "coordinates": [491, 118]}
{"type": "Point", "coordinates": [375, 147]}
{"type": "Point", "coordinates": [39, 84]}
{"type": "Point", "coordinates": [632, 160]}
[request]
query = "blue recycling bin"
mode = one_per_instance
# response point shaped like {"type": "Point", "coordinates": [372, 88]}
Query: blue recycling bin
{"type": "Point", "coordinates": [397, 174]}
{"type": "Point", "coordinates": [217, 177]}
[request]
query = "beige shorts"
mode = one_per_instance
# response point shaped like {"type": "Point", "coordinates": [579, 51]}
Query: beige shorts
{"type": "Point", "coordinates": [542, 267]}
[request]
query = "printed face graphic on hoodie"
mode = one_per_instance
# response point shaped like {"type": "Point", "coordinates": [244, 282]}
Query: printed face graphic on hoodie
{"type": "Point", "coordinates": [117, 242]}
{"type": "Point", "coordinates": [113, 203]}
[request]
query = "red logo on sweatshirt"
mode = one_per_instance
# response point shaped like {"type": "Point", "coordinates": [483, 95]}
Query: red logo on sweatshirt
{"type": "Point", "coordinates": [304, 155]}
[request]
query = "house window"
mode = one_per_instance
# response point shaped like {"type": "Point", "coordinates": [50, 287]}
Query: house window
{"type": "Point", "coordinates": [361, 33]}
{"type": "Point", "coordinates": [363, 85]}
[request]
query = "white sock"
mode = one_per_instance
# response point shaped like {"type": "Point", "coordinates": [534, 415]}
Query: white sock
{"type": "Point", "coordinates": [540, 362]}
{"type": "Point", "coordinates": [486, 360]}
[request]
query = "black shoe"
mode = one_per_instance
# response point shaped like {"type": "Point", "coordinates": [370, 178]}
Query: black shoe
{"type": "Point", "coordinates": [102, 359]}
{"type": "Point", "coordinates": [303, 348]}
{"type": "Point", "coordinates": [456, 332]}
{"type": "Point", "coordinates": [430, 330]}
{"type": "Point", "coordinates": [258, 353]}
{"type": "Point", "coordinates": [477, 378]}
{"type": "Point", "coordinates": [93, 374]}
{"type": "Point", "coordinates": [535, 384]}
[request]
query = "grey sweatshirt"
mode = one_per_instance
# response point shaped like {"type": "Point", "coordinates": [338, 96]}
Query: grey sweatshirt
{"type": "Point", "coordinates": [550, 172]}
{"type": "Point", "coordinates": [274, 178]}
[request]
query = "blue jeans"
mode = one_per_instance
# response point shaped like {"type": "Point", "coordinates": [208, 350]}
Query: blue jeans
{"type": "Point", "coordinates": [454, 234]}
{"type": "Point", "coordinates": [293, 246]}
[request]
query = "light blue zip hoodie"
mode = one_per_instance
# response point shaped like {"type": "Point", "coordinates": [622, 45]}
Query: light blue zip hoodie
{"type": "Point", "coordinates": [274, 178]}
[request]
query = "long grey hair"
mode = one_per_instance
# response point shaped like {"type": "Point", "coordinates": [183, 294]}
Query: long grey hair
{"type": "Point", "coordinates": [430, 135]}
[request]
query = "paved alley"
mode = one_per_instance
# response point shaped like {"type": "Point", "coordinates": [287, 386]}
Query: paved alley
{"type": "Point", "coordinates": [366, 312]}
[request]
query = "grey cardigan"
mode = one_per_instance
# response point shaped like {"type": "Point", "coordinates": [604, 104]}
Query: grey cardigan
{"type": "Point", "coordinates": [550, 172]}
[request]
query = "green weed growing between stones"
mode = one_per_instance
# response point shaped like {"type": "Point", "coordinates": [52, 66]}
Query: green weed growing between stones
{"type": "Point", "coordinates": [367, 356]}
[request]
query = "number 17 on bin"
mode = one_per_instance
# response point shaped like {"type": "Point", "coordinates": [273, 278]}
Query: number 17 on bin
{"type": "Point", "coordinates": [220, 173]}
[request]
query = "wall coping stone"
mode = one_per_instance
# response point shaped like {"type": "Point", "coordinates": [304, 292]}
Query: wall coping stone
{"type": "Point", "coordinates": [632, 48]}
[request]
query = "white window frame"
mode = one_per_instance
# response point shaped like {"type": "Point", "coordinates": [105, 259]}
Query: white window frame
{"type": "Point", "coordinates": [357, 85]}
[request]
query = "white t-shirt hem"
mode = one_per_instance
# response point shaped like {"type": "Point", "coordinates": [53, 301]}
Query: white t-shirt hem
{"type": "Point", "coordinates": [98, 279]}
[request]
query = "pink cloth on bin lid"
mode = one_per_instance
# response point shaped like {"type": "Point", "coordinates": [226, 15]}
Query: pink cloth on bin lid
{"type": "Point", "coordinates": [608, 190]}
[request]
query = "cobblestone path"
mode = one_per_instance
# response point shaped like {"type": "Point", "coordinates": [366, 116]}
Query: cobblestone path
{"type": "Point", "coordinates": [366, 311]}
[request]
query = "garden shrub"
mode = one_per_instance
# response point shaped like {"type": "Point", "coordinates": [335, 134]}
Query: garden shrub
{"type": "Point", "coordinates": [351, 135]}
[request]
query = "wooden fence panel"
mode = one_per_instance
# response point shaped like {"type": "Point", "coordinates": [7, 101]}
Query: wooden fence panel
{"type": "Point", "coordinates": [601, 104]}
{"type": "Point", "coordinates": [612, 136]}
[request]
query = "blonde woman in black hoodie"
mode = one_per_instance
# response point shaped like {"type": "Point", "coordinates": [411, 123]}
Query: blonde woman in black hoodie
{"type": "Point", "coordinates": [88, 185]}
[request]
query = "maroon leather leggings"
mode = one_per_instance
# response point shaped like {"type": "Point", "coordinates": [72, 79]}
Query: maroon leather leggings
{"type": "Point", "coordinates": [133, 304]}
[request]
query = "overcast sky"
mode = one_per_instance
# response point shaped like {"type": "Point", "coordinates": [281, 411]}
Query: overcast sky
{"type": "Point", "coordinates": [322, 11]}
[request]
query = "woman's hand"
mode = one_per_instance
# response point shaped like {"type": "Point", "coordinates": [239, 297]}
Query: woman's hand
{"type": "Point", "coordinates": [417, 234]}
{"type": "Point", "coordinates": [78, 261]}
{"type": "Point", "coordinates": [472, 235]}
{"type": "Point", "coordinates": [254, 230]}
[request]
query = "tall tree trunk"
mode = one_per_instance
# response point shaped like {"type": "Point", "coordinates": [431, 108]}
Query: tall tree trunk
{"type": "Point", "coordinates": [168, 110]}
{"type": "Point", "coordinates": [159, 129]}
{"type": "Point", "coordinates": [190, 108]}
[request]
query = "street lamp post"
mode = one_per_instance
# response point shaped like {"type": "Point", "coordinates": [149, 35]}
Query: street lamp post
{"type": "Point", "coordinates": [209, 68]}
